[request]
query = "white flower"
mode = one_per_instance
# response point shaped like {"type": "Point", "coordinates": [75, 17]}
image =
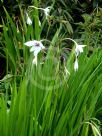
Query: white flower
{"type": "Point", "coordinates": [36, 47]}
{"type": "Point", "coordinates": [29, 21]}
{"type": "Point", "coordinates": [79, 49]}
{"type": "Point", "coordinates": [47, 11]}
{"type": "Point", "coordinates": [76, 65]}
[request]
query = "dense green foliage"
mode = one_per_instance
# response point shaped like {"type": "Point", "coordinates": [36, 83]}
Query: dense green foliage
{"type": "Point", "coordinates": [47, 100]}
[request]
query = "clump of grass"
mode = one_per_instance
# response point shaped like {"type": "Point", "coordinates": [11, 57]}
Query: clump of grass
{"type": "Point", "coordinates": [45, 100]}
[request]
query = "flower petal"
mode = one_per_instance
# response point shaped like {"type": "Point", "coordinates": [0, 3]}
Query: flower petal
{"type": "Point", "coordinates": [35, 60]}
{"type": "Point", "coordinates": [82, 45]}
{"type": "Point", "coordinates": [34, 48]}
{"type": "Point", "coordinates": [47, 11]}
{"type": "Point", "coordinates": [37, 51]}
{"type": "Point", "coordinates": [29, 21]}
{"type": "Point", "coordinates": [79, 49]}
{"type": "Point", "coordinates": [76, 65]}
{"type": "Point", "coordinates": [31, 43]}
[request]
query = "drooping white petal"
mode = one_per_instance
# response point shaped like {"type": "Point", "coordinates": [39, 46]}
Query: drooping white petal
{"type": "Point", "coordinates": [76, 65]}
{"type": "Point", "coordinates": [35, 60]}
{"type": "Point", "coordinates": [29, 21]}
{"type": "Point", "coordinates": [31, 43]}
{"type": "Point", "coordinates": [37, 51]}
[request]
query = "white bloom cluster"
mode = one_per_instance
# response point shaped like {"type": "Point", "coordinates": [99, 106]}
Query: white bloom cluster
{"type": "Point", "coordinates": [78, 50]}
{"type": "Point", "coordinates": [36, 47]}
{"type": "Point", "coordinates": [47, 11]}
